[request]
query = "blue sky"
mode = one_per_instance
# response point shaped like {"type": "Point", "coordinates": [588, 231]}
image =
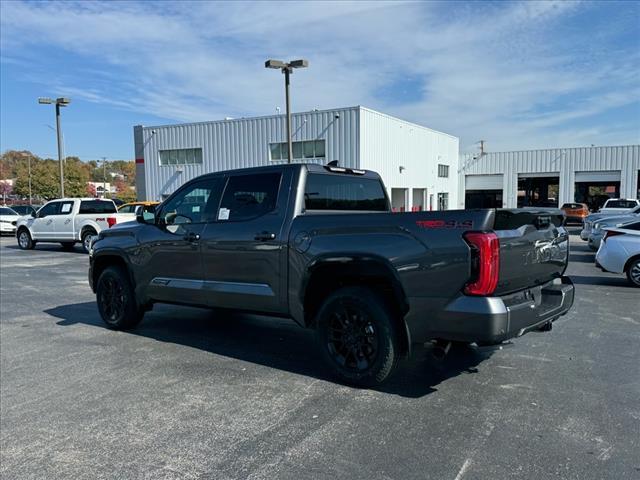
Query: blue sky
{"type": "Point", "coordinates": [516, 74]}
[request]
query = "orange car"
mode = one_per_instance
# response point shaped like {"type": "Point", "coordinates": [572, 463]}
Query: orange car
{"type": "Point", "coordinates": [575, 212]}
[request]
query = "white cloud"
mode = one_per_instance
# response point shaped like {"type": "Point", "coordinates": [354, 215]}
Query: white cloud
{"type": "Point", "coordinates": [512, 73]}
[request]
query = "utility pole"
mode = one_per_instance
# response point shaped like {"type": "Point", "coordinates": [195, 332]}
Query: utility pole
{"type": "Point", "coordinates": [104, 177]}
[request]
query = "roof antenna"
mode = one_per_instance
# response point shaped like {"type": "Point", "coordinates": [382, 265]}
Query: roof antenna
{"type": "Point", "coordinates": [332, 163]}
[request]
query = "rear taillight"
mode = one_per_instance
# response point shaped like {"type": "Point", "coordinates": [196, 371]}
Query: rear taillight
{"type": "Point", "coordinates": [485, 262]}
{"type": "Point", "coordinates": [111, 221]}
{"type": "Point", "coordinates": [611, 233]}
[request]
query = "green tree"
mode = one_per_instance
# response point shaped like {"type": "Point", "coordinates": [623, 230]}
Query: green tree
{"type": "Point", "coordinates": [45, 179]}
{"type": "Point", "coordinates": [76, 176]}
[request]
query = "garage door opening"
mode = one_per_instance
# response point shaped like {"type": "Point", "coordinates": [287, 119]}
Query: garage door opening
{"type": "Point", "coordinates": [418, 199]}
{"type": "Point", "coordinates": [596, 187]}
{"type": "Point", "coordinates": [538, 191]}
{"type": "Point", "coordinates": [483, 199]}
{"type": "Point", "coordinates": [594, 194]}
{"type": "Point", "coordinates": [399, 199]}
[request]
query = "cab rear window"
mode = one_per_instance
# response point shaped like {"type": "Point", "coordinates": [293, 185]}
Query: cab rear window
{"type": "Point", "coordinates": [344, 192]}
{"type": "Point", "coordinates": [97, 206]}
{"type": "Point", "coordinates": [620, 204]}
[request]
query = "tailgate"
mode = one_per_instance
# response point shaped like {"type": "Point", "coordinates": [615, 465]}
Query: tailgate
{"type": "Point", "coordinates": [534, 247]}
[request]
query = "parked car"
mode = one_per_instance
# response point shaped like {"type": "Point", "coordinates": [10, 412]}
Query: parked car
{"type": "Point", "coordinates": [598, 229]}
{"type": "Point", "coordinates": [575, 212]}
{"type": "Point", "coordinates": [23, 210]}
{"type": "Point", "coordinates": [128, 210]}
{"type": "Point", "coordinates": [619, 205]}
{"type": "Point", "coordinates": [619, 251]}
{"type": "Point", "coordinates": [68, 221]}
{"type": "Point", "coordinates": [321, 246]}
{"type": "Point", "coordinates": [590, 220]}
{"type": "Point", "coordinates": [8, 220]}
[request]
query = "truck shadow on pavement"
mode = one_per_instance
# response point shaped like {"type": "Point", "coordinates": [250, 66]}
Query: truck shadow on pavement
{"type": "Point", "coordinates": [50, 247]}
{"type": "Point", "coordinates": [275, 343]}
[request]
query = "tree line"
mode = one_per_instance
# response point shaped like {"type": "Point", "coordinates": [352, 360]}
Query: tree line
{"type": "Point", "coordinates": [45, 176]}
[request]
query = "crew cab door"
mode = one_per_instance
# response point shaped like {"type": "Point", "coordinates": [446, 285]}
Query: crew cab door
{"type": "Point", "coordinates": [62, 225]}
{"type": "Point", "coordinates": [244, 251]}
{"type": "Point", "coordinates": [42, 226]}
{"type": "Point", "coordinates": [171, 247]}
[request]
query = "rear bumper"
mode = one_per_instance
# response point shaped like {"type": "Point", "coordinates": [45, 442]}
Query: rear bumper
{"type": "Point", "coordinates": [493, 319]}
{"type": "Point", "coordinates": [574, 219]}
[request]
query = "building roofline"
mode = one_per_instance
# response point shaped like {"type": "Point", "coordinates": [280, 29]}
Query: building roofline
{"type": "Point", "coordinates": [551, 149]}
{"type": "Point", "coordinates": [406, 122]}
{"type": "Point", "coordinates": [282, 115]}
{"type": "Point", "coordinates": [260, 117]}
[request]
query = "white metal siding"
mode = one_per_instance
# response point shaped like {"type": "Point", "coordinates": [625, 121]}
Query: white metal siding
{"type": "Point", "coordinates": [243, 143]}
{"type": "Point", "coordinates": [563, 162]}
{"type": "Point", "coordinates": [388, 143]}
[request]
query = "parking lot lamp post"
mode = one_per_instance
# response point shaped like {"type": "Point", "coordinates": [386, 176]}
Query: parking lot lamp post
{"type": "Point", "coordinates": [287, 69]}
{"type": "Point", "coordinates": [59, 102]}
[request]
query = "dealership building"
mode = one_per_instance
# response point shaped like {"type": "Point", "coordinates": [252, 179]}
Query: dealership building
{"type": "Point", "coordinates": [419, 165]}
{"type": "Point", "coordinates": [550, 177]}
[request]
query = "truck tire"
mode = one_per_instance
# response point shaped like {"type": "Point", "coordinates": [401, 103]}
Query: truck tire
{"type": "Point", "coordinates": [25, 242]}
{"type": "Point", "coordinates": [116, 299]}
{"type": "Point", "coordinates": [86, 239]}
{"type": "Point", "coordinates": [357, 336]}
{"type": "Point", "coordinates": [633, 272]}
{"type": "Point", "coordinates": [67, 245]}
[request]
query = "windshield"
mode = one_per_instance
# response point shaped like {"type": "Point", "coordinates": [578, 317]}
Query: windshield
{"type": "Point", "coordinates": [7, 211]}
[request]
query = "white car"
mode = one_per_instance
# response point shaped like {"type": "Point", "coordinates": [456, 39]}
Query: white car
{"type": "Point", "coordinates": [8, 220]}
{"type": "Point", "coordinates": [67, 221]}
{"type": "Point", "coordinates": [619, 251]}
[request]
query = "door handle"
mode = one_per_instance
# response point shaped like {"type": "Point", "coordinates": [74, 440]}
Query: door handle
{"type": "Point", "coordinates": [49, 222]}
{"type": "Point", "coordinates": [264, 236]}
{"type": "Point", "coordinates": [192, 237]}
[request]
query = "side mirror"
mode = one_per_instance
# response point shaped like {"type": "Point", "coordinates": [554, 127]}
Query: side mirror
{"type": "Point", "coordinates": [34, 214]}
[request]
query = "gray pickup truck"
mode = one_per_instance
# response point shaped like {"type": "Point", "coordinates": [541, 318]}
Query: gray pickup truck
{"type": "Point", "coordinates": [319, 244]}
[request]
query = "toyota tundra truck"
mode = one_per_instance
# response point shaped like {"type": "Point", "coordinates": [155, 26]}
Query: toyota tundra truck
{"type": "Point", "coordinates": [320, 245]}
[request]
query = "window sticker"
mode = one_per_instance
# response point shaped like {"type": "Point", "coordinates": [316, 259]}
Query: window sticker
{"type": "Point", "coordinates": [223, 214]}
{"type": "Point", "coordinates": [195, 209]}
{"type": "Point", "coordinates": [66, 208]}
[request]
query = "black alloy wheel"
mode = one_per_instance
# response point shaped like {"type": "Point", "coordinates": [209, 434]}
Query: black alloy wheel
{"type": "Point", "coordinates": [357, 336]}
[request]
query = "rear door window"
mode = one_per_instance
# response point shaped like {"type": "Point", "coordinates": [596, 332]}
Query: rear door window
{"type": "Point", "coordinates": [249, 196]}
{"type": "Point", "coordinates": [66, 208]}
{"type": "Point", "coordinates": [344, 192]}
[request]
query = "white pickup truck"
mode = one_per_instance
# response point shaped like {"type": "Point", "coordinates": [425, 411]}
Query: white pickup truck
{"type": "Point", "coordinates": [619, 205]}
{"type": "Point", "coordinates": [68, 221]}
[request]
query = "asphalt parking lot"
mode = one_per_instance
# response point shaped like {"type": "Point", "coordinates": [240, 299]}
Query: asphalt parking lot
{"type": "Point", "coordinates": [194, 394]}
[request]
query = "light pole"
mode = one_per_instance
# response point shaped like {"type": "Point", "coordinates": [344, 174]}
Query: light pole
{"type": "Point", "coordinates": [287, 69]}
{"type": "Point", "coordinates": [59, 102]}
